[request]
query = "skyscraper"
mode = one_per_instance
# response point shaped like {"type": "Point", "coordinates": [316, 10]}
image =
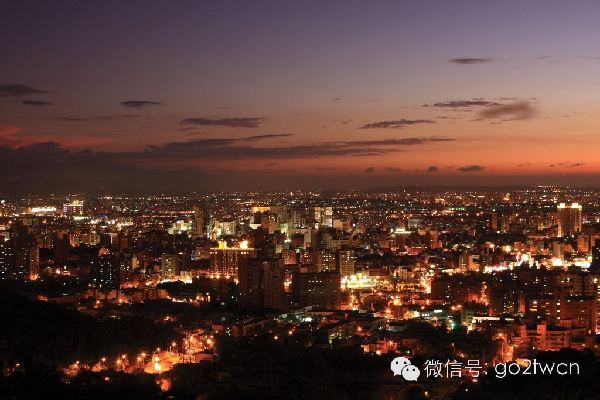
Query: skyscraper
{"type": "Point", "coordinates": [60, 246]}
{"type": "Point", "coordinates": [568, 219]}
{"type": "Point", "coordinates": [201, 220]}
{"type": "Point", "coordinates": [345, 261]}
{"type": "Point", "coordinates": [323, 215]}
{"type": "Point", "coordinates": [6, 259]}
{"type": "Point", "coordinates": [224, 260]}
{"type": "Point", "coordinates": [169, 266]}
{"type": "Point", "coordinates": [323, 260]}
{"type": "Point", "coordinates": [321, 289]}
{"type": "Point", "coordinates": [22, 259]}
{"type": "Point", "coordinates": [261, 283]}
{"type": "Point", "coordinates": [105, 272]}
{"type": "Point", "coordinates": [74, 208]}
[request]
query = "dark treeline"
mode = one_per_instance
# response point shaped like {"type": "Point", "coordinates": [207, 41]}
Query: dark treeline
{"type": "Point", "coordinates": [35, 332]}
{"type": "Point", "coordinates": [39, 382]}
{"type": "Point", "coordinates": [261, 368]}
{"type": "Point", "coordinates": [584, 385]}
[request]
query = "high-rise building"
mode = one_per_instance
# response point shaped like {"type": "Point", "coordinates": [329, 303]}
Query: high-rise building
{"type": "Point", "coordinates": [569, 219]}
{"type": "Point", "coordinates": [290, 256]}
{"type": "Point", "coordinates": [6, 259]}
{"type": "Point", "coordinates": [224, 260]}
{"type": "Point", "coordinates": [200, 222]}
{"type": "Point", "coordinates": [345, 261]}
{"type": "Point", "coordinates": [323, 260]}
{"type": "Point", "coordinates": [105, 272]}
{"type": "Point", "coordinates": [494, 221]}
{"type": "Point", "coordinates": [74, 208]}
{"type": "Point", "coordinates": [320, 289]}
{"type": "Point", "coordinates": [469, 262]}
{"type": "Point", "coordinates": [596, 251]}
{"type": "Point", "coordinates": [24, 259]}
{"type": "Point", "coordinates": [261, 283]}
{"type": "Point", "coordinates": [27, 262]}
{"type": "Point", "coordinates": [170, 266]}
{"type": "Point", "coordinates": [324, 216]}
{"type": "Point", "coordinates": [60, 246]}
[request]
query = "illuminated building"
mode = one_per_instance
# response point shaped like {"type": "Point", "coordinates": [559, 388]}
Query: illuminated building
{"type": "Point", "coordinates": [323, 261]}
{"type": "Point", "coordinates": [468, 262]}
{"type": "Point", "coordinates": [324, 216]}
{"type": "Point", "coordinates": [345, 261]}
{"type": "Point", "coordinates": [45, 210]}
{"type": "Point", "coordinates": [179, 227]}
{"type": "Point", "coordinates": [596, 253]}
{"type": "Point", "coordinates": [74, 208]}
{"type": "Point", "coordinates": [569, 219]}
{"type": "Point", "coordinates": [290, 257]}
{"type": "Point", "coordinates": [261, 283]}
{"type": "Point", "coordinates": [22, 260]}
{"type": "Point", "coordinates": [27, 262]}
{"type": "Point", "coordinates": [494, 221]}
{"type": "Point", "coordinates": [224, 260]}
{"type": "Point", "coordinates": [170, 265]}
{"type": "Point", "coordinates": [6, 260]}
{"type": "Point", "coordinates": [201, 219]}
{"type": "Point", "coordinates": [105, 272]}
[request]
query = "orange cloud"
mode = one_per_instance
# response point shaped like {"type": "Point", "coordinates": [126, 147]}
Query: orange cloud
{"type": "Point", "coordinates": [7, 134]}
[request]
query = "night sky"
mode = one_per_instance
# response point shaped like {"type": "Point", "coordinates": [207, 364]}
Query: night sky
{"type": "Point", "coordinates": [244, 95]}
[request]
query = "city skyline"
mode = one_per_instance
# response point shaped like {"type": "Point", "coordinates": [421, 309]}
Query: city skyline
{"type": "Point", "coordinates": [320, 95]}
{"type": "Point", "coordinates": [318, 199]}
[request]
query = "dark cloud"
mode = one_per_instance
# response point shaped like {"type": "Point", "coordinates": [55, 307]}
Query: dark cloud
{"type": "Point", "coordinates": [521, 110]}
{"type": "Point", "coordinates": [336, 99]}
{"type": "Point", "coordinates": [463, 104]}
{"type": "Point", "coordinates": [517, 99]}
{"type": "Point", "coordinates": [397, 142]}
{"type": "Point", "coordinates": [237, 122]}
{"type": "Point", "coordinates": [570, 164]}
{"type": "Point", "coordinates": [16, 90]}
{"type": "Point", "coordinates": [521, 165]}
{"type": "Point", "coordinates": [36, 103]}
{"type": "Point", "coordinates": [471, 168]}
{"type": "Point", "coordinates": [432, 168]}
{"type": "Point", "coordinates": [236, 148]}
{"type": "Point", "coordinates": [369, 170]}
{"type": "Point", "coordinates": [170, 165]}
{"type": "Point", "coordinates": [401, 123]}
{"type": "Point", "coordinates": [97, 118]}
{"type": "Point", "coordinates": [393, 169]}
{"type": "Point", "coordinates": [138, 104]}
{"type": "Point", "coordinates": [470, 61]}
{"type": "Point", "coordinates": [266, 136]}
{"type": "Point", "coordinates": [58, 169]}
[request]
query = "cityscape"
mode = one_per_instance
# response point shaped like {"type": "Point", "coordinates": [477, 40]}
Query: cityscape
{"type": "Point", "coordinates": [477, 275]}
{"type": "Point", "coordinates": [300, 200]}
